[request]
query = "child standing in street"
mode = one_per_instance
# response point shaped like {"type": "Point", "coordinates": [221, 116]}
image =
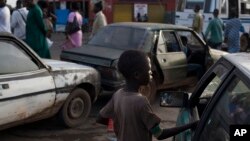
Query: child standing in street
{"type": "Point", "coordinates": [131, 112]}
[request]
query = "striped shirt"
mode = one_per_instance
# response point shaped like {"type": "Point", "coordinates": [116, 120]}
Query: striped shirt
{"type": "Point", "coordinates": [232, 29]}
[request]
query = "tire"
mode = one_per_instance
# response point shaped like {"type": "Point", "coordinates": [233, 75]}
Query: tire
{"type": "Point", "coordinates": [76, 108]}
{"type": "Point", "coordinates": [149, 91]}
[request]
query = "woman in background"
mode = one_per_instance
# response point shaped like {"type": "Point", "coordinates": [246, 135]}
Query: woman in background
{"type": "Point", "coordinates": [75, 39]}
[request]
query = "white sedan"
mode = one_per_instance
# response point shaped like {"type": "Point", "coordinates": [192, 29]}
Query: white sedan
{"type": "Point", "coordinates": [32, 88]}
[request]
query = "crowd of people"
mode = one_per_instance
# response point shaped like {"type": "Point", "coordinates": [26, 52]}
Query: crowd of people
{"type": "Point", "coordinates": [223, 36]}
{"type": "Point", "coordinates": [34, 22]}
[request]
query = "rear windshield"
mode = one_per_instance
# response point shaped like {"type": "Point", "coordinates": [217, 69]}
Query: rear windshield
{"type": "Point", "coordinates": [122, 38]}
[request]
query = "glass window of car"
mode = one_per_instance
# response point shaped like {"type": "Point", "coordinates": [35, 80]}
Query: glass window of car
{"type": "Point", "coordinates": [14, 59]}
{"type": "Point", "coordinates": [193, 41]}
{"type": "Point", "coordinates": [218, 74]}
{"type": "Point", "coordinates": [171, 41]}
{"type": "Point", "coordinates": [121, 38]}
{"type": "Point", "coordinates": [231, 108]}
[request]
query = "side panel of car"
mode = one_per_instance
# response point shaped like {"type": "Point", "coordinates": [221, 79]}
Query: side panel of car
{"type": "Point", "coordinates": [26, 87]}
{"type": "Point", "coordinates": [173, 64]}
{"type": "Point", "coordinates": [229, 106]}
{"type": "Point", "coordinates": [64, 80]}
{"type": "Point", "coordinates": [18, 101]}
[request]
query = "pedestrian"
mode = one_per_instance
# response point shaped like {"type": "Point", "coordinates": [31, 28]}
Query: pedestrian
{"type": "Point", "coordinates": [231, 33]}
{"type": "Point", "coordinates": [145, 17]}
{"type": "Point", "coordinates": [74, 39]}
{"type": "Point", "coordinates": [18, 20]}
{"type": "Point", "coordinates": [46, 19]}
{"type": "Point", "coordinates": [138, 17]}
{"type": "Point", "coordinates": [35, 30]}
{"type": "Point", "coordinates": [215, 31]}
{"type": "Point", "coordinates": [244, 43]}
{"type": "Point", "coordinates": [131, 112]}
{"type": "Point", "coordinates": [198, 20]}
{"type": "Point", "coordinates": [52, 15]}
{"type": "Point", "coordinates": [100, 19]}
{"type": "Point", "coordinates": [4, 17]}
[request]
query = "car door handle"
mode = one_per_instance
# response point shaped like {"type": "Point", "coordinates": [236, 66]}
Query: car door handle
{"type": "Point", "coordinates": [5, 86]}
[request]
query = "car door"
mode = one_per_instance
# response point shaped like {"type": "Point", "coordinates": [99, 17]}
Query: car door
{"type": "Point", "coordinates": [199, 99]}
{"type": "Point", "coordinates": [170, 57]}
{"type": "Point", "coordinates": [230, 106]}
{"type": "Point", "coordinates": [198, 51]}
{"type": "Point", "coordinates": [26, 87]}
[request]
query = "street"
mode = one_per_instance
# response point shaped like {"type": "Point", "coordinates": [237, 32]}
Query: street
{"type": "Point", "coordinates": [51, 130]}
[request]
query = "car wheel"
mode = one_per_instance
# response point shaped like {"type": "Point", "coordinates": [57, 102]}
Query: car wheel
{"type": "Point", "coordinates": [76, 108]}
{"type": "Point", "coordinates": [149, 91]}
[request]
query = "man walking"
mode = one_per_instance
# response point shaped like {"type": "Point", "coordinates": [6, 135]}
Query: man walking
{"type": "Point", "coordinates": [100, 19]}
{"type": "Point", "coordinates": [18, 20]}
{"type": "Point", "coordinates": [198, 20]}
{"type": "Point", "coordinates": [232, 29]}
{"type": "Point", "coordinates": [4, 17]}
{"type": "Point", "coordinates": [214, 31]}
{"type": "Point", "coordinates": [35, 30]}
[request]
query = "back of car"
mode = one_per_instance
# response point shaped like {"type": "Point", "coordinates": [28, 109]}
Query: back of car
{"type": "Point", "coordinates": [104, 49]}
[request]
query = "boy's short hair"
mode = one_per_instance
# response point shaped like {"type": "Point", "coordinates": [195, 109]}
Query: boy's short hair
{"type": "Point", "coordinates": [132, 61]}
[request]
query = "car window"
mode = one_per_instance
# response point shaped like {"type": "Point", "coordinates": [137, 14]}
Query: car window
{"type": "Point", "coordinates": [193, 43]}
{"type": "Point", "coordinates": [232, 108]}
{"type": "Point", "coordinates": [121, 38]}
{"type": "Point", "coordinates": [14, 59]}
{"type": "Point", "coordinates": [218, 74]}
{"type": "Point", "coordinates": [171, 41]}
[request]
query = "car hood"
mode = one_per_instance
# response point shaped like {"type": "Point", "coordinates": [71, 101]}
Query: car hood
{"type": "Point", "coordinates": [56, 65]}
{"type": "Point", "coordinates": [92, 55]}
{"type": "Point", "coordinates": [216, 54]}
{"type": "Point", "coordinates": [67, 74]}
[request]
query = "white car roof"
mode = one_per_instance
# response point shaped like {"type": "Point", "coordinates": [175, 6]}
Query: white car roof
{"type": "Point", "coordinates": [241, 61]}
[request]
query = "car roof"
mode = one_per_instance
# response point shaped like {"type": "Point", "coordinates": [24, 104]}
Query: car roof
{"type": "Point", "coordinates": [149, 26]}
{"type": "Point", "coordinates": [241, 61]}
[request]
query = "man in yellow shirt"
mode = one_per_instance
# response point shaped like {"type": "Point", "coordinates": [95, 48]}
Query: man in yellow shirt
{"type": "Point", "coordinates": [100, 18]}
{"type": "Point", "coordinates": [198, 20]}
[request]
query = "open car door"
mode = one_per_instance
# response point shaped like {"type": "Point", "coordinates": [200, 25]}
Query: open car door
{"type": "Point", "coordinates": [170, 57]}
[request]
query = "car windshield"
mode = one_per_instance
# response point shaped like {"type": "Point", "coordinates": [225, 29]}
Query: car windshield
{"type": "Point", "coordinates": [122, 38]}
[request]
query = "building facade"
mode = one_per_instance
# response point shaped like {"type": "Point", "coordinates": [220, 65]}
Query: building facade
{"type": "Point", "coordinates": [161, 11]}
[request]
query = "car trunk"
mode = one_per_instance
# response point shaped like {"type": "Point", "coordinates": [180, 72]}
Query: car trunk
{"type": "Point", "coordinates": [92, 55]}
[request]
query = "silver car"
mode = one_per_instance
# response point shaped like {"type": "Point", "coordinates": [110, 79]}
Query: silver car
{"type": "Point", "coordinates": [162, 42]}
{"type": "Point", "coordinates": [32, 88]}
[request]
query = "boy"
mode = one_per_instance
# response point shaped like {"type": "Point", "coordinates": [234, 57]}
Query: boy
{"type": "Point", "coordinates": [133, 117]}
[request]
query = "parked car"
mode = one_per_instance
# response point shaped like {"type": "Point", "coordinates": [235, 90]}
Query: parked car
{"type": "Point", "coordinates": [163, 44]}
{"type": "Point", "coordinates": [220, 99]}
{"type": "Point", "coordinates": [32, 88]}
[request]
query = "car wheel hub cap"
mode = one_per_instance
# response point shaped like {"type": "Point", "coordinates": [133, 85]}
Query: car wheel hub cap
{"type": "Point", "coordinates": [76, 108]}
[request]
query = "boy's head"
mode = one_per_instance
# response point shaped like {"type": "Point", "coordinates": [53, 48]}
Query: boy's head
{"type": "Point", "coordinates": [135, 65]}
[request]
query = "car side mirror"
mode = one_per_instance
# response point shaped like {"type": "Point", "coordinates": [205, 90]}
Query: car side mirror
{"type": "Point", "coordinates": [173, 99]}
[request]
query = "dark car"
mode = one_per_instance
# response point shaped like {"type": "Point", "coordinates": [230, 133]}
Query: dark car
{"type": "Point", "coordinates": [32, 88]}
{"type": "Point", "coordinates": [162, 42]}
{"type": "Point", "coordinates": [221, 99]}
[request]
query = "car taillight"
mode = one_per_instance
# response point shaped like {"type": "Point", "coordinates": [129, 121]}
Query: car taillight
{"type": "Point", "coordinates": [109, 73]}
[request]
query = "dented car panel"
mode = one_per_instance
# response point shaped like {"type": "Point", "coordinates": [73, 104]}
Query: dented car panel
{"type": "Point", "coordinates": [32, 88]}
